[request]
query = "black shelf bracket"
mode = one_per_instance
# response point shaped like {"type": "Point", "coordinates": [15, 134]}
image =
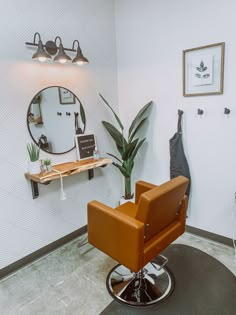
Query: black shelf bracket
{"type": "Point", "coordinates": [35, 189]}
{"type": "Point", "coordinates": [90, 174]}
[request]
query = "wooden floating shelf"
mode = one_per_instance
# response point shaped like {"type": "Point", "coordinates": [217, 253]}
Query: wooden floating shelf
{"type": "Point", "coordinates": [65, 169]}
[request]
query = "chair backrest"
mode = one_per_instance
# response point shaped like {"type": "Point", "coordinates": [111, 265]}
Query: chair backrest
{"type": "Point", "coordinates": [158, 207]}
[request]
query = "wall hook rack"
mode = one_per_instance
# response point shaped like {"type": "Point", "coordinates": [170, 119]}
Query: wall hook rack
{"type": "Point", "coordinates": [200, 111]}
{"type": "Point", "coordinates": [59, 113]}
{"type": "Point", "coordinates": [226, 111]}
{"type": "Point", "coordinates": [67, 113]}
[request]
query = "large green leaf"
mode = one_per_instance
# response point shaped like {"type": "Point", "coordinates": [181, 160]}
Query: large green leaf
{"type": "Point", "coordinates": [33, 150]}
{"type": "Point", "coordinates": [129, 148]}
{"type": "Point", "coordinates": [128, 165]}
{"type": "Point", "coordinates": [138, 116]}
{"type": "Point", "coordinates": [117, 118]}
{"type": "Point", "coordinates": [115, 134]}
{"type": "Point", "coordinates": [120, 149]}
{"type": "Point", "coordinates": [136, 129]}
{"type": "Point", "coordinates": [137, 148]}
{"type": "Point", "coordinates": [83, 117]}
{"type": "Point", "coordinates": [122, 169]}
{"type": "Point", "coordinates": [114, 157]}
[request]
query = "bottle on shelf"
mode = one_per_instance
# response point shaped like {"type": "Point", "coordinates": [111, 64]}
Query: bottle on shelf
{"type": "Point", "coordinates": [96, 155]}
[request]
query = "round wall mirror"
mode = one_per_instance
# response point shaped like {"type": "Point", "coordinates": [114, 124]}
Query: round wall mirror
{"type": "Point", "coordinates": [54, 116]}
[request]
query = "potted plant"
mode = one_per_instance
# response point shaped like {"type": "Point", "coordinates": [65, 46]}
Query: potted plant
{"type": "Point", "coordinates": [127, 146]}
{"type": "Point", "coordinates": [48, 165]}
{"type": "Point", "coordinates": [34, 163]}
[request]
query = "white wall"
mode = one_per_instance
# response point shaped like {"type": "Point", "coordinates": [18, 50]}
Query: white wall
{"type": "Point", "coordinates": [26, 224]}
{"type": "Point", "coordinates": [151, 36]}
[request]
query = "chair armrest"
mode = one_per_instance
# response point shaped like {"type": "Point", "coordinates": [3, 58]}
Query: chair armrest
{"type": "Point", "coordinates": [116, 234]}
{"type": "Point", "coordinates": [141, 187]}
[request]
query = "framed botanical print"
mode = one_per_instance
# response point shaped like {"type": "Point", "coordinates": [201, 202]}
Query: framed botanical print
{"type": "Point", "coordinates": [203, 70]}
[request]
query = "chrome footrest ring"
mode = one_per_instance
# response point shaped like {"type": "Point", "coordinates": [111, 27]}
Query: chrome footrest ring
{"type": "Point", "coordinates": [152, 284]}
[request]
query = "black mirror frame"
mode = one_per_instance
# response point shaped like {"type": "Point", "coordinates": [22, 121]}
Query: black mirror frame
{"type": "Point", "coordinates": [82, 114]}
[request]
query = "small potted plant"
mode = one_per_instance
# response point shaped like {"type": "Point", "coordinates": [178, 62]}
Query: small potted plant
{"type": "Point", "coordinates": [34, 163]}
{"type": "Point", "coordinates": [48, 165]}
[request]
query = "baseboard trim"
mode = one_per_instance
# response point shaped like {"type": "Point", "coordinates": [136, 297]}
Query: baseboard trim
{"type": "Point", "coordinates": [212, 236]}
{"type": "Point", "coordinates": [6, 271]}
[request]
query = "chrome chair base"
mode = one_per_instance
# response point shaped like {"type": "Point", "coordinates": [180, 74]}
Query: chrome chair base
{"type": "Point", "coordinates": [150, 285]}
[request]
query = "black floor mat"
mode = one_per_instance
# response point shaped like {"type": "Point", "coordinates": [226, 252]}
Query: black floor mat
{"type": "Point", "coordinates": [203, 286]}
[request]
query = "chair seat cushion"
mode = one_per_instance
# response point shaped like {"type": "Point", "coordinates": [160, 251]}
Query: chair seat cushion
{"type": "Point", "coordinates": [129, 208]}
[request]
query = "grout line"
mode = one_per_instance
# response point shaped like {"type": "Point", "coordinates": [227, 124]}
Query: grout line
{"type": "Point", "coordinates": [66, 305]}
{"type": "Point", "coordinates": [63, 302]}
{"type": "Point", "coordinates": [93, 283]}
{"type": "Point", "coordinates": [31, 302]}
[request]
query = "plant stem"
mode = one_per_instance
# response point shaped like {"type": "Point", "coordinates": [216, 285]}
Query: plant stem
{"type": "Point", "coordinates": [128, 194]}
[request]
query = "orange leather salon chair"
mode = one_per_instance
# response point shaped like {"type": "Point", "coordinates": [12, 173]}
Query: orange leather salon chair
{"type": "Point", "coordinates": [134, 234]}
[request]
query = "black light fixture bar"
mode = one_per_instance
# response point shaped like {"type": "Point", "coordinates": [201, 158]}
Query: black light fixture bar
{"type": "Point", "coordinates": [45, 46]}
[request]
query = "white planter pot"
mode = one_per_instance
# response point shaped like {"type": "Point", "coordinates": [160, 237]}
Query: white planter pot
{"type": "Point", "coordinates": [34, 167]}
{"type": "Point", "coordinates": [123, 200]}
{"type": "Point", "coordinates": [48, 168]}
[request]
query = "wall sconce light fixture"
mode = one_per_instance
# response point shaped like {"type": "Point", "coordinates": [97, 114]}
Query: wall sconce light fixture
{"type": "Point", "coordinates": [40, 54]}
{"type": "Point", "coordinates": [61, 56]}
{"type": "Point", "coordinates": [79, 58]}
{"type": "Point", "coordinates": [45, 52]}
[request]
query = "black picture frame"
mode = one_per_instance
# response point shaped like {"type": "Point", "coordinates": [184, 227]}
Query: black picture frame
{"type": "Point", "coordinates": [65, 96]}
{"type": "Point", "coordinates": [85, 146]}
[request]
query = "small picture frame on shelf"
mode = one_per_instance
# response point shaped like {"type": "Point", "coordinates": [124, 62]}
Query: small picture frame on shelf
{"type": "Point", "coordinates": [203, 70]}
{"type": "Point", "coordinates": [85, 146]}
{"type": "Point", "coordinates": [66, 96]}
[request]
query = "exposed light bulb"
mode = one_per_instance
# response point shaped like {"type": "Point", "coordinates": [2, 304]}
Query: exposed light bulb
{"type": "Point", "coordinates": [62, 60]}
{"type": "Point", "coordinates": [42, 59]}
{"type": "Point", "coordinates": [80, 63]}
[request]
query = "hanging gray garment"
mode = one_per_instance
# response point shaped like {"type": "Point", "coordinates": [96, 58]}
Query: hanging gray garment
{"type": "Point", "coordinates": [178, 161]}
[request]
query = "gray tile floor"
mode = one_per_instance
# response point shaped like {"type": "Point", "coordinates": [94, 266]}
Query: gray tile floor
{"type": "Point", "coordinates": [71, 280]}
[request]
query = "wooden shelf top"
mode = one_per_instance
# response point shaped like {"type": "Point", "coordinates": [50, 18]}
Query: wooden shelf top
{"type": "Point", "coordinates": [67, 169]}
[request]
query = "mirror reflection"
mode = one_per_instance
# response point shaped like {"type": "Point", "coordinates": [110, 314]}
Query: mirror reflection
{"type": "Point", "coordinates": [54, 116]}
